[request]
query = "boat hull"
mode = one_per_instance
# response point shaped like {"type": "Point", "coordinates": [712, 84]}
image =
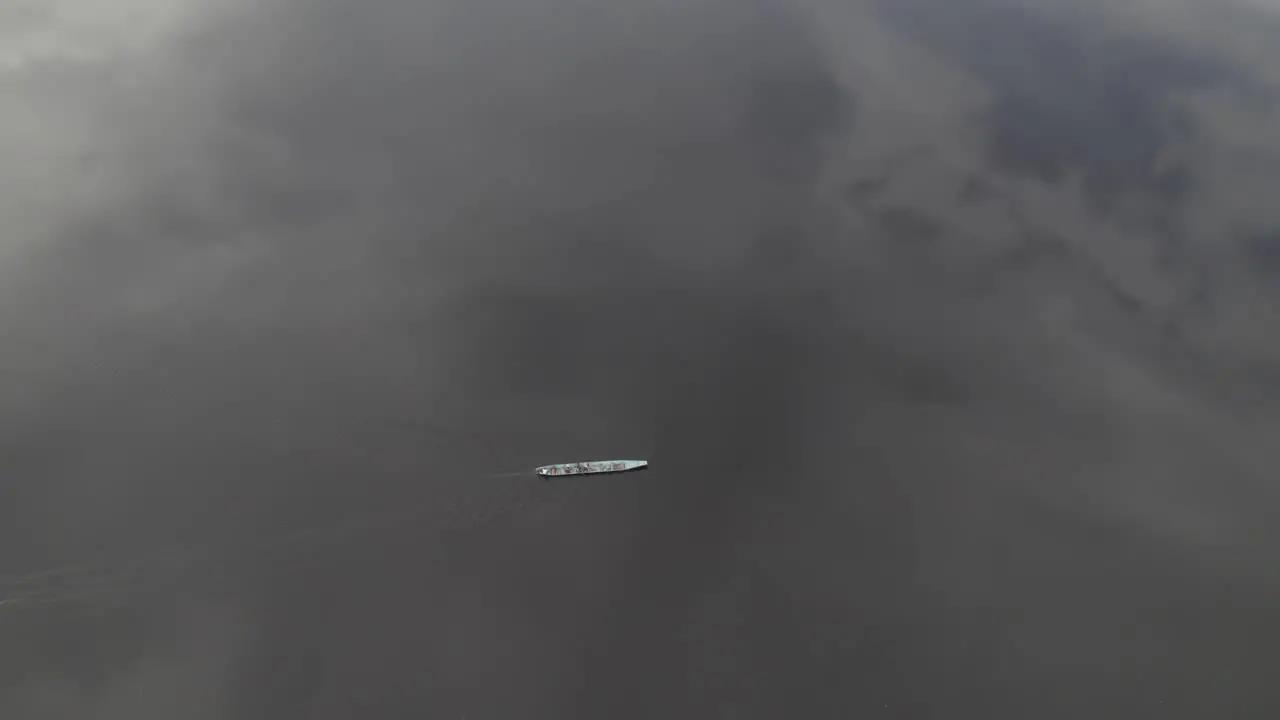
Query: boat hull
{"type": "Point", "coordinates": [598, 467]}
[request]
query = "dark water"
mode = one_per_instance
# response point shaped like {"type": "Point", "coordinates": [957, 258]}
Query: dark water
{"type": "Point", "coordinates": [948, 327]}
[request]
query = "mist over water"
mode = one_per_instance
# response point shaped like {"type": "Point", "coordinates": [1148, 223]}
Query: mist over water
{"type": "Point", "coordinates": [946, 327]}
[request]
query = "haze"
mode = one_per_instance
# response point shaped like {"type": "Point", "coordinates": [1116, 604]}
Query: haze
{"type": "Point", "coordinates": [950, 328]}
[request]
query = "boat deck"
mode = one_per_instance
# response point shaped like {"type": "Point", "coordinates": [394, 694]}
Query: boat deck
{"type": "Point", "coordinates": [593, 468]}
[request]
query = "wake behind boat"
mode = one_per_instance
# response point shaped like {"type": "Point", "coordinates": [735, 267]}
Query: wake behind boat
{"type": "Point", "coordinates": [592, 468]}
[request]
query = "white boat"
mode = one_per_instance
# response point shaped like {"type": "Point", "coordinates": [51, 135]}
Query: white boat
{"type": "Point", "coordinates": [592, 468]}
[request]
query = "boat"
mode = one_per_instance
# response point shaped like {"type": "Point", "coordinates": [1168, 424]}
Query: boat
{"type": "Point", "coordinates": [592, 468]}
